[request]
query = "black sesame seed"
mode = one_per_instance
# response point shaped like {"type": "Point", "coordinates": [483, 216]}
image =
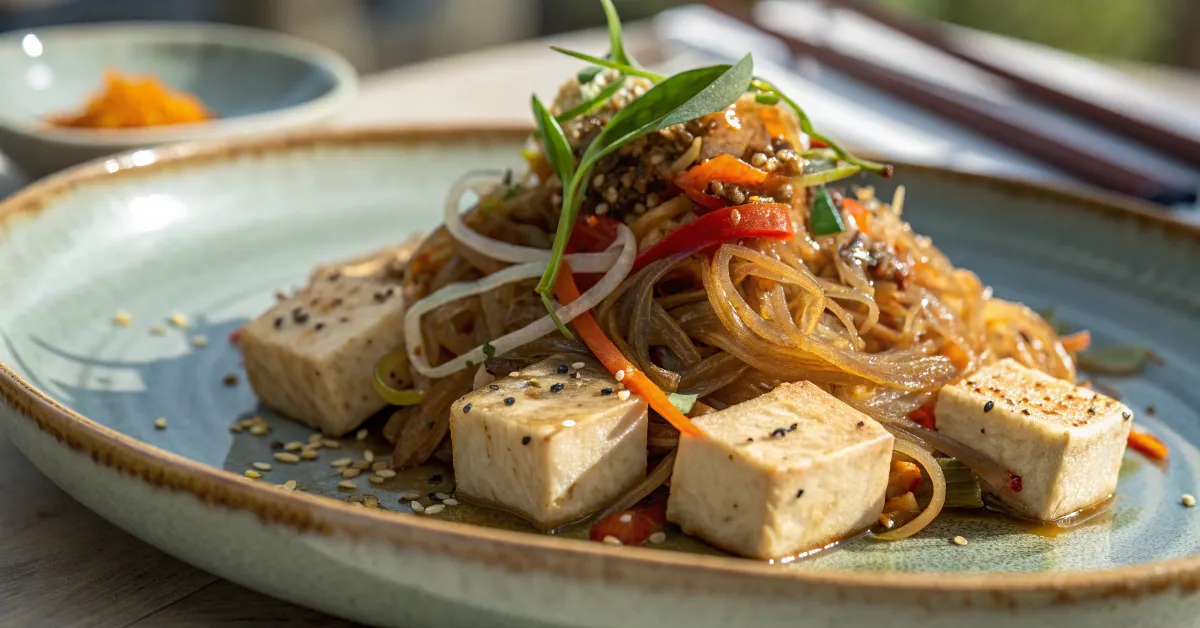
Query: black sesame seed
{"type": "Point", "coordinates": [276, 445]}
{"type": "Point", "coordinates": [557, 387]}
{"type": "Point", "coordinates": [494, 387]}
{"type": "Point", "coordinates": [861, 423]}
{"type": "Point", "coordinates": [799, 493]}
{"type": "Point", "coordinates": [606, 391]}
{"type": "Point", "coordinates": [749, 440]}
{"type": "Point", "coordinates": [778, 432]}
{"type": "Point", "coordinates": [563, 368]}
{"type": "Point", "coordinates": [1025, 412]}
{"type": "Point", "coordinates": [1126, 416]}
{"type": "Point", "coordinates": [1091, 411]}
{"type": "Point", "coordinates": [432, 496]}
{"type": "Point", "coordinates": [508, 401]}
{"type": "Point", "coordinates": [319, 326]}
{"type": "Point", "coordinates": [793, 426]}
{"type": "Point", "coordinates": [466, 408]}
{"type": "Point", "coordinates": [335, 276]}
{"type": "Point", "coordinates": [987, 407]}
{"type": "Point", "coordinates": [230, 379]}
{"type": "Point", "coordinates": [278, 322]}
{"type": "Point", "coordinates": [435, 479]}
{"type": "Point", "coordinates": [525, 441]}
{"type": "Point", "coordinates": [981, 431]}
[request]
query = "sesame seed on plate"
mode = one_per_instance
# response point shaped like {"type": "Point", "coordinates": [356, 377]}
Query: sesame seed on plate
{"type": "Point", "coordinates": [341, 462]}
{"type": "Point", "coordinates": [309, 454]}
{"type": "Point", "coordinates": [620, 374]}
{"type": "Point", "coordinates": [385, 473]}
{"type": "Point", "coordinates": [230, 380]}
{"type": "Point", "coordinates": [123, 319]}
{"type": "Point", "coordinates": [417, 507]}
{"type": "Point", "coordinates": [612, 540]}
{"type": "Point", "coordinates": [622, 395]}
{"type": "Point", "coordinates": [200, 341]}
{"type": "Point", "coordinates": [329, 443]}
{"type": "Point", "coordinates": [380, 465]}
{"type": "Point", "coordinates": [658, 537]}
{"type": "Point", "coordinates": [160, 423]}
{"type": "Point", "coordinates": [287, 457]}
{"type": "Point", "coordinates": [958, 540]}
{"type": "Point", "coordinates": [158, 330]}
{"type": "Point", "coordinates": [315, 438]}
{"type": "Point", "coordinates": [411, 495]}
{"type": "Point", "coordinates": [360, 464]}
{"type": "Point", "coordinates": [1188, 500]}
{"type": "Point", "coordinates": [375, 479]}
{"type": "Point", "coordinates": [351, 484]}
{"type": "Point", "coordinates": [259, 429]}
{"type": "Point", "coordinates": [578, 365]}
{"type": "Point", "coordinates": [293, 446]}
{"type": "Point", "coordinates": [262, 466]}
{"type": "Point", "coordinates": [450, 501]}
{"type": "Point", "coordinates": [357, 504]}
{"type": "Point", "coordinates": [290, 485]}
{"type": "Point", "coordinates": [351, 472]}
{"type": "Point", "coordinates": [434, 509]}
{"type": "Point", "coordinates": [369, 456]}
{"type": "Point", "coordinates": [441, 496]}
{"type": "Point", "coordinates": [252, 474]}
{"type": "Point", "coordinates": [361, 434]}
{"type": "Point", "coordinates": [179, 320]}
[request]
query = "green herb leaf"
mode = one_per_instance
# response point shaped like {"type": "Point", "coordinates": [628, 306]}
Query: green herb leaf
{"type": "Point", "coordinates": [488, 349]}
{"type": "Point", "coordinates": [824, 217]}
{"type": "Point", "coordinates": [766, 99]}
{"type": "Point", "coordinates": [554, 142]}
{"type": "Point", "coordinates": [822, 172]}
{"type": "Point", "coordinates": [684, 403]}
{"type": "Point", "coordinates": [680, 98]}
{"type": "Point", "coordinates": [615, 40]}
{"type": "Point", "coordinates": [1116, 359]}
{"type": "Point", "coordinates": [593, 103]}
{"type": "Point", "coordinates": [623, 68]}
{"type": "Point", "coordinates": [589, 74]}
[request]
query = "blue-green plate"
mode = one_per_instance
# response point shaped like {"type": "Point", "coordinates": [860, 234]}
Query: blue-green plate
{"type": "Point", "coordinates": [212, 232]}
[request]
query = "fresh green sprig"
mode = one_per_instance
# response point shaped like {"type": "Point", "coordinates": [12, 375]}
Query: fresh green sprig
{"type": "Point", "coordinates": [824, 217]}
{"type": "Point", "coordinates": [588, 74]}
{"type": "Point", "coordinates": [616, 41]}
{"type": "Point", "coordinates": [623, 68]}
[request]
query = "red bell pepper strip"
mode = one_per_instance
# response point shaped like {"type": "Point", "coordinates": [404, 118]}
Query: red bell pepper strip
{"type": "Point", "coordinates": [613, 360]}
{"type": "Point", "coordinates": [724, 168]}
{"type": "Point", "coordinates": [924, 417]}
{"type": "Point", "coordinates": [858, 213]}
{"type": "Point", "coordinates": [592, 234]}
{"type": "Point", "coordinates": [754, 220]}
{"type": "Point", "coordinates": [1148, 445]}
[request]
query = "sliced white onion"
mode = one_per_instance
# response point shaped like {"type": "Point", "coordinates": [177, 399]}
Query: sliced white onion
{"type": "Point", "coordinates": [481, 182]}
{"type": "Point", "coordinates": [936, 477]}
{"type": "Point", "coordinates": [624, 247]}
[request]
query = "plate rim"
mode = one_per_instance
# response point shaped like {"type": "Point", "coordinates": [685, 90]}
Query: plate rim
{"type": "Point", "coordinates": [522, 551]}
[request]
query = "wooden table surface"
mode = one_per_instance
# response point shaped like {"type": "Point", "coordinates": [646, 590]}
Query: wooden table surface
{"type": "Point", "coordinates": [61, 565]}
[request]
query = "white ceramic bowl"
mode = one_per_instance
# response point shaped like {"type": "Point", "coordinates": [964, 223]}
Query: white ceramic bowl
{"type": "Point", "coordinates": [256, 81]}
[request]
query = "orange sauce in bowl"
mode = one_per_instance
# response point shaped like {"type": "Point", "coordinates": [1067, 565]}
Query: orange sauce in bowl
{"type": "Point", "coordinates": [132, 102]}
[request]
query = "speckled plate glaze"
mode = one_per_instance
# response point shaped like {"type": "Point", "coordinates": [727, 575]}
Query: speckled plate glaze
{"type": "Point", "coordinates": [212, 231]}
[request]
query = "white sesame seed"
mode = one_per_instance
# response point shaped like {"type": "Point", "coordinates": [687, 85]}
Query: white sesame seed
{"type": "Point", "coordinates": [199, 341]}
{"type": "Point", "coordinates": [601, 209]}
{"type": "Point", "coordinates": [160, 423]}
{"type": "Point", "coordinates": [287, 457]}
{"type": "Point", "coordinates": [252, 474]}
{"type": "Point", "coordinates": [123, 319]}
{"type": "Point", "coordinates": [622, 395]}
{"type": "Point", "coordinates": [612, 540]}
{"type": "Point", "coordinates": [434, 509]}
{"type": "Point", "coordinates": [380, 465]}
{"type": "Point", "coordinates": [179, 320]}
{"type": "Point", "coordinates": [361, 464]}
{"type": "Point", "coordinates": [1188, 500]}
{"type": "Point", "coordinates": [351, 472]}
{"type": "Point", "coordinates": [578, 365]}
{"type": "Point", "coordinates": [958, 540]}
{"type": "Point", "coordinates": [290, 485]}
{"type": "Point", "coordinates": [735, 217]}
{"type": "Point", "coordinates": [375, 479]}
{"type": "Point", "coordinates": [348, 484]}
{"type": "Point", "coordinates": [450, 502]}
{"type": "Point", "coordinates": [262, 466]}
{"type": "Point", "coordinates": [598, 180]}
{"type": "Point", "coordinates": [259, 429]}
{"type": "Point", "coordinates": [329, 443]}
{"type": "Point", "coordinates": [357, 504]}
{"type": "Point", "coordinates": [315, 438]}
{"type": "Point", "coordinates": [417, 507]}
{"type": "Point", "coordinates": [620, 374]}
{"type": "Point", "coordinates": [411, 495]}
{"type": "Point", "coordinates": [341, 462]}
{"type": "Point", "coordinates": [569, 423]}
{"type": "Point", "coordinates": [625, 518]}
{"type": "Point", "coordinates": [309, 454]}
{"type": "Point", "coordinates": [158, 330]}
{"type": "Point", "coordinates": [441, 495]}
{"type": "Point", "coordinates": [293, 446]}
{"type": "Point", "coordinates": [369, 456]}
{"type": "Point", "coordinates": [658, 537]}
{"type": "Point", "coordinates": [361, 435]}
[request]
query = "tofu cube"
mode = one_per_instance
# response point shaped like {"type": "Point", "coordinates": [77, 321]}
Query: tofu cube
{"type": "Point", "coordinates": [1064, 442]}
{"type": "Point", "coordinates": [791, 471]}
{"type": "Point", "coordinates": [548, 445]}
{"type": "Point", "coordinates": [313, 356]}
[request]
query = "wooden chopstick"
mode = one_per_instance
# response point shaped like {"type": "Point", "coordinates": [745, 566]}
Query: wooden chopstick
{"type": "Point", "coordinates": [1139, 130]}
{"type": "Point", "coordinates": [985, 118]}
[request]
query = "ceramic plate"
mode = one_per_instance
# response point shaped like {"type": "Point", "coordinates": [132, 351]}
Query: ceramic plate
{"type": "Point", "coordinates": [212, 232]}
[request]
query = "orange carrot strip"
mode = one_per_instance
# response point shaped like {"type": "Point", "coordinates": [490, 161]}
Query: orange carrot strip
{"type": "Point", "coordinates": [612, 358]}
{"type": "Point", "coordinates": [1148, 445]}
{"type": "Point", "coordinates": [1077, 342]}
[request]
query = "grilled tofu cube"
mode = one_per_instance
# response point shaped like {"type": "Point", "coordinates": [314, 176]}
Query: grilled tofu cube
{"type": "Point", "coordinates": [548, 445]}
{"type": "Point", "coordinates": [1063, 442]}
{"type": "Point", "coordinates": [793, 470]}
{"type": "Point", "coordinates": [313, 356]}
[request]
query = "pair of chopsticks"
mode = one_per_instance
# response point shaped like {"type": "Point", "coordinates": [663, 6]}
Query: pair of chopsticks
{"type": "Point", "coordinates": [997, 123]}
